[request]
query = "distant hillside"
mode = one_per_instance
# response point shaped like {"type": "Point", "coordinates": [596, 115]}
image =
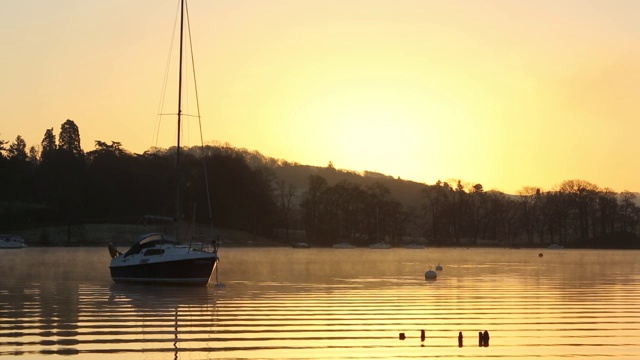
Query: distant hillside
{"type": "Point", "coordinates": [406, 192]}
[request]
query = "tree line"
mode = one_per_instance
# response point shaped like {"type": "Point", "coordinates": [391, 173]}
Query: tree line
{"type": "Point", "coordinates": [576, 214]}
{"type": "Point", "coordinates": [58, 183]}
{"type": "Point", "coordinates": [61, 184]}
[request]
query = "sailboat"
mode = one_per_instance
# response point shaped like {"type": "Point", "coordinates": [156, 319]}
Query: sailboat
{"type": "Point", "coordinates": [160, 258]}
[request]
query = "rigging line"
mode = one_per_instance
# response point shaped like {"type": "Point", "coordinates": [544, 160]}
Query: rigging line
{"type": "Point", "coordinates": [163, 91]}
{"type": "Point", "coordinates": [182, 114]}
{"type": "Point", "coordinates": [193, 65]}
{"type": "Point", "coordinates": [195, 85]}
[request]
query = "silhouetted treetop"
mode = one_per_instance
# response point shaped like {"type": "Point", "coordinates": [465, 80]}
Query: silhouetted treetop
{"type": "Point", "coordinates": [69, 139]}
{"type": "Point", "coordinates": [48, 144]}
{"type": "Point", "coordinates": [3, 148]}
{"type": "Point", "coordinates": [18, 149]}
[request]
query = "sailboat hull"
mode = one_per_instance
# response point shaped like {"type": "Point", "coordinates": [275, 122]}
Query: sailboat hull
{"type": "Point", "coordinates": [194, 271]}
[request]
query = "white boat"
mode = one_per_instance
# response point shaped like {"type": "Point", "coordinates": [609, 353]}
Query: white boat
{"type": "Point", "coordinates": [343, 245]}
{"type": "Point", "coordinates": [300, 245]}
{"type": "Point", "coordinates": [380, 245]}
{"type": "Point", "coordinates": [157, 257]}
{"type": "Point", "coordinates": [555, 246]}
{"type": "Point", "coordinates": [414, 246]}
{"type": "Point", "coordinates": [12, 241]}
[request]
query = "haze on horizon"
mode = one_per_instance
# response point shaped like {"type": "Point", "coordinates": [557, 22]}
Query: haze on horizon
{"type": "Point", "coordinates": [502, 93]}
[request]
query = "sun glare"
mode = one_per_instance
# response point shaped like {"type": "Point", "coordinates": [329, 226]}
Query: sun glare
{"type": "Point", "coordinates": [378, 131]}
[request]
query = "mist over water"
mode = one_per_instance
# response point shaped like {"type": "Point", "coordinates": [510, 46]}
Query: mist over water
{"type": "Point", "coordinates": [284, 303]}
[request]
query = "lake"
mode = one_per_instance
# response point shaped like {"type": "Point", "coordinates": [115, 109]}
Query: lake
{"type": "Point", "coordinates": [283, 303]}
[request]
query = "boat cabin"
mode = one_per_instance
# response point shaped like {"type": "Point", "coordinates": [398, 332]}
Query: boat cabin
{"type": "Point", "coordinates": [150, 240]}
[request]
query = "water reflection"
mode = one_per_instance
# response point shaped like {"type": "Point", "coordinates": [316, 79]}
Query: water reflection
{"type": "Point", "coordinates": [152, 319]}
{"type": "Point", "coordinates": [328, 303]}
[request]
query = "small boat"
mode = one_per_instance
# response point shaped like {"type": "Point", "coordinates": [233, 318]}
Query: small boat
{"type": "Point", "coordinates": [159, 258]}
{"type": "Point", "coordinates": [343, 245]}
{"type": "Point", "coordinates": [12, 241]}
{"type": "Point", "coordinates": [414, 246]}
{"type": "Point", "coordinates": [555, 246]}
{"type": "Point", "coordinates": [380, 245]}
{"type": "Point", "coordinates": [300, 245]}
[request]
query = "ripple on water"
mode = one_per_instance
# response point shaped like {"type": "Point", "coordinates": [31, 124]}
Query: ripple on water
{"type": "Point", "coordinates": [322, 303]}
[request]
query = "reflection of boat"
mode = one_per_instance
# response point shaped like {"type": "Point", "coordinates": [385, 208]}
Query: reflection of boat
{"type": "Point", "coordinates": [300, 245]}
{"type": "Point", "coordinates": [159, 258]}
{"type": "Point", "coordinates": [12, 241]}
{"type": "Point", "coordinates": [154, 313]}
{"type": "Point", "coordinates": [555, 246]}
{"type": "Point", "coordinates": [159, 299]}
{"type": "Point", "coordinates": [380, 245]}
{"type": "Point", "coordinates": [343, 246]}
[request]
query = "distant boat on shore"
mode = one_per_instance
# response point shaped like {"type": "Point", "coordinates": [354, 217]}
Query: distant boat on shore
{"type": "Point", "coordinates": [555, 246]}
{"type": "Point", "coordinates": [343, 246]}
{"type": "Point", "coordinates": [414, 246]}
{"type": "Point", "coordinates": [380, 245]}
{"type": "Point", "coordinates": [12, 241]}
{"type": "Point", "coordinates": [300, 245]}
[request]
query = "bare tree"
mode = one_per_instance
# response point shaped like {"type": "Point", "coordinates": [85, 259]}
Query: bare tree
{"type": "Point", "coordinates": [627, 212]}
{"type": "Point", "coordinates": [285, 195]}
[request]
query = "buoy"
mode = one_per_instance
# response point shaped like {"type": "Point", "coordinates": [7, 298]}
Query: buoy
{"type": "Point", "coordinates": [540, 255]}
{"type": "Point", "coordinates": [422, 335]}
{"type": "Point", "coordinates": [438, 267]}
{"type": "Point", "coordinates": [401, 336]}
{"type": "Point", "coordinates": [430, 274]}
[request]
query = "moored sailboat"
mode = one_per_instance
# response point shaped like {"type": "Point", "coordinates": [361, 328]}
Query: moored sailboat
{"type": "Point", "coordinates": [160, 258]}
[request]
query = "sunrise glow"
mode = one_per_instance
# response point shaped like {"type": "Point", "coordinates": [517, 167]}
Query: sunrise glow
{"type": "Point", "coordinates": [503, 93]}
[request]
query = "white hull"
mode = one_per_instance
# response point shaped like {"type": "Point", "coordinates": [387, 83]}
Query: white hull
{"type": "Point", "coordinates": [12, 242]}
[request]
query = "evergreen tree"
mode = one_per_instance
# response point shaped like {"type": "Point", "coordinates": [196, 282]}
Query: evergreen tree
{"type": "Point", "coordinates": [3, 143]}
{"type": "Point", "coordinates": [48, 144]}
{"type": "Point", "coordinates": [18, 149]}
{"type": "Point", "coordinates": [69, 139]}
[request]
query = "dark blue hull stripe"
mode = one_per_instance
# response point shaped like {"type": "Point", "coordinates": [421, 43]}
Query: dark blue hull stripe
{"type": "Point", "coordinates": [190, 271]}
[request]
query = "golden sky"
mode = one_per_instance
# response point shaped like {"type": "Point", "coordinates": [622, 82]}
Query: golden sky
{"type": "Point", "coordinates": [503, 93]}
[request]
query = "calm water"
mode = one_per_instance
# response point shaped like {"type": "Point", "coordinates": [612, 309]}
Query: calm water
{"type": "Point", "coordinates": [328, 303]}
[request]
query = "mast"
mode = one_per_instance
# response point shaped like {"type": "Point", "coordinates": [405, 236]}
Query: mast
{"type": "Point", "coordinates": [179, 122]}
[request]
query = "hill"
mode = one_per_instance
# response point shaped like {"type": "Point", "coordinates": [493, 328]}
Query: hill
{"type": "Point", "coordinates": [406, 192]}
